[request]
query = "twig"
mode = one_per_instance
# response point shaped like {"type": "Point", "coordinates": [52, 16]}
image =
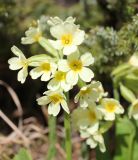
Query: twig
{"type": "Point", "coordinates": [12, 125]}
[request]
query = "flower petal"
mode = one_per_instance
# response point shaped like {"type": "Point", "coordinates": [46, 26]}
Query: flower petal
{"type": "Point", "coordinates": [53, 109]}
{"type": "Point", "coordinates": [17, 51]}
{"type": "Point", "coordinates": [45, 76]}
{"type": "Point", "coordinates": [86, 74]}
{"type": "Point", "coordinates": [35, 73]}
{"type": "Point", "coordinates": [69, 49]}
{"type": "Point", "coordinates": [22, 74]}
{"type": "Point", "coordinates": [53, 85]}
{"type": "Point", "coordinates": [72, 77]}
{"type": "Point", "coordinates": [78, 37]}
{"type": "Point", "coordinates": [87, 59]}
{"type": "Point", "coordinates": [27, 40]}
{"type": "Point", "coordinates": [65, 106]}
{"type": "Point", "coordinates": [43, 100]}
{"type": "Point", "coordinates": [63, 65]}
{"type": "Point", "coordinates": [57, 31]}
{"type": "Point", "coordinates": [14, 63]}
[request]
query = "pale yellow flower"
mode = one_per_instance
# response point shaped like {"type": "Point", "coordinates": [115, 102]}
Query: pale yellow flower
{"type": "Point", "coordinates": [19, 63]}
{"type": "Point", "coordinates": [55, 100]}
{"type": "Point", "coordinates": [109, 107]}
{"type": "Point", "coordinates": [68, 36]}
{"type": "Point", "coordinates": [59, 81]}
{"type": "Point", "coordinates": [89, 94]}
{"type": "Point", "coordinates": [45, 70]}
{"type": "Point", "coordinates": [77, 67]}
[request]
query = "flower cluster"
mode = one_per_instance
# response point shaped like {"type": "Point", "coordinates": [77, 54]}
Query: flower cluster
{"type": "Point", "coordinates": [63, 67]}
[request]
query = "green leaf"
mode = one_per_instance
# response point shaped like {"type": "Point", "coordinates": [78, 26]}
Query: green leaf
{"type": "Point", "coordinates": [131, 81]}
{"type": "Point", "coordinates": [127, 93]}
{"type": "Point", "coordinates": [23, 155]}
{"type": "Point", "coordinates": [125, 138]}
{"type": "Point", "coordinates": [120, 69]}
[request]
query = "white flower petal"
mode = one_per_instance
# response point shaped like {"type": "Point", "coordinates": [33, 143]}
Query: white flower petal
{"type": "Point", "coordinates": [53, 85]}
{"type": "Point", "coordinates": [65, 86]}
{"type": "Point", "coordinates": [72, 77]}
{"type": "Point", "coordinates": [109, 116]}
{"type": "Point", "coordinates": [93, 128]}
{"type": "Point", "coordinates": [17, 51]}
{"type": "Point", "coordinates": [57, 31]}
{"type": "Point", "coordinates": [22, 74]}
{"type": "Point", "coordinates": [14, 63]}
{"type": "Point", "coordinates": [27, 40]}
{"type": "Point", "coordinates": [43, 100]}
{"type": "Point", "coordinates": [45, 76]}
{"type": "Point", "coordinates": [86, 74]}
{"type": "Point", "coordinates": [63, 65]}
{"type": "Point", "coordinates": [73, 56]}
{"type": "Point", "coordinates": [91, 142]}
{"type": "Point", "coordinates": [87, 59]}
{"type": "Point", "coordinates": [83, 103]}
{"type": "Point", "coordinates": [35, 73]}
{"type": "Point", "coordinates": [69, 49]}
{"type": "Point", "coordinates": [53, 109]}
{"type": "Point", "coordinates": [65, 106]}
{"type": "Point", "coordinates": [78, 37]}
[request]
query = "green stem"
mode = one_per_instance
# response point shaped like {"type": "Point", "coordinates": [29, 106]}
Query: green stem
{"type": "Point", "coordinates": [115, 91]}
{"type": "Point", "coordinates": [52, 138]}
{"type": "Point", "coordinates": [67, 126]}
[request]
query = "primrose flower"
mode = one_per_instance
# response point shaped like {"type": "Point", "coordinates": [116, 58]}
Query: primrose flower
{"type": "Point", "coordinates": [93, 136]}
{"type": "Point", "coordinates": [96, 139]}
{"type": "Point", "coordinates": [44, 70]}
{"type": "Point", "coordinates": [59, 81]}
{"type": "Point", "coordinates": [109, 107]}
{"type": "Point", "coordinates": [33, 34]}
{"type": "Point", "coordinates": [76, 67]}
{"type": "Point", "coordinates": [68, 36]}
{"type": "Point", "coordinates": [55, 100]}
{"type": "Point", "coordinates": [19, 62]}
{"type": "Point", "coordinates": [56, 20]}
{"type": "Point", "coordinates": [86, 117]}
{"type": "Point", "coordinates": [89, 94]}
{"type": "Point", "coordinates": [133, 112]}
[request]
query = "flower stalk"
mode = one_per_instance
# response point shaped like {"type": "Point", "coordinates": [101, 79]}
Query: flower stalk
{"type": "Point", "coordinates": [67, 125]}
{"type": "Point", "coordinates": [52, 138]}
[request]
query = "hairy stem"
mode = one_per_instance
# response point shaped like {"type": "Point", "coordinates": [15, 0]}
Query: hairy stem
{"type": "Point", "coordinates": [52, 138]}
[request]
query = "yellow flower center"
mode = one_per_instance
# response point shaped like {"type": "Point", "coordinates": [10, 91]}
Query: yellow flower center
{"type": "Point", "coordinates": [110, 107]}
{"type": "Point", "coordinates": [85, 91]}
{"type": "Point", "coordinates": [45, 67]}
{"type": "Point", "coordinates": [56, 98]}
{"type": "Point", "coordinates": [92, 116]}
{"type": "Point", "coordinates": [23, 63]}
{"type": "Point", "coordinates": [76, 65]}
{"type": "Point", "coordinates": [60, 76]}
{"type": "Point", "coordinates": [66, 39]}
{"type": "Point", "coordinates": [37, 36]}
